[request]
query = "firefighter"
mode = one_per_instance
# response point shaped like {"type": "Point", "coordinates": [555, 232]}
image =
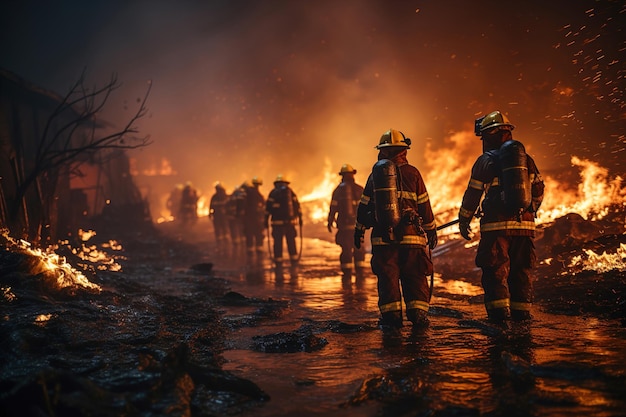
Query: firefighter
{"type": "Point", "coordinates": [396, 206]}
{"type": "Point", "coordinates": [217, 213]}
{"type": "Point", "coordinates": [173, 201]}
{"type": "Point", "coordinates": [234, 212]}
{"type": "Point", "coordinates": [254, 217]}
{"type": "Point", "coordinates": [506, 251]}
{"type": "Point", "coordinates": [283, 207]}
{"type": "Point", "coordinates": [343, 205]}
{"type": "Point", "coordinates": [188, 204]}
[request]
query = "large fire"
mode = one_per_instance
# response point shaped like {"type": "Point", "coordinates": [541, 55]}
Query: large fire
{"type": "Point", "coordinates": [447, 172]}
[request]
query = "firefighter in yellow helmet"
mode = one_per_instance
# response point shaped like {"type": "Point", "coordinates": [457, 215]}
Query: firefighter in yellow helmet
{"type": "Point", "coordinates": [342, 214]}
{"type": "Point", "coordinates": [283, 208]}
{"type": "Point", "coordinates": [513, 191]}
{"type": "Point", "coordinates": [396, 206]}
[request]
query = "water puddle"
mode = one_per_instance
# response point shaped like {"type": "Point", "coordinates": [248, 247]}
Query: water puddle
{"type": "Point", "coordinates": [561, 365]}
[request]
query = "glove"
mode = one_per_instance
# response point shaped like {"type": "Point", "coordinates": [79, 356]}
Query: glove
{"type": "Point", "coordinates": [466, 230]}
{"type": "Point", "coordinates": [358, 238]}
{"type": "Point", "coordinates": [330, 226]}
{"type": "Point", "coordinates": [432, 238]}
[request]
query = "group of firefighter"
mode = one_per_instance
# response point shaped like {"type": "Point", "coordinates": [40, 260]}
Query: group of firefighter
{"type": "Point", "coordinates": [241, 218]}
{"type": "Point", "coordinates": [505, 191]}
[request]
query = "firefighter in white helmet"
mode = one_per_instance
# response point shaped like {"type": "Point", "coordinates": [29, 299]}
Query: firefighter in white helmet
{"type": "Point", "coordinates": [396, 206]}
{"type": "Point", "coordinates": [513, 191]}
{"type": "Point", "coordinates": [342, 214]}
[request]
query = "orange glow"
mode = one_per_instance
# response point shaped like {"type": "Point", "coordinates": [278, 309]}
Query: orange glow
{"type": "Point", "coordinates": [53, 266]}
{"type": "Point", "coordinates": [591, 261]}
{"type": "Point", "coordinates": [163, 169]}
{"type": "Point", "coordinates": [595, 194]}
{"type": "Point", "coordinates": [446, 169]}
{"type": "Point", "coordinates": [317, 202]}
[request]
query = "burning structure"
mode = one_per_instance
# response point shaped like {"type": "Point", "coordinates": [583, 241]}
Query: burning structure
{"type": "Point", "coordinates": [56, 174]}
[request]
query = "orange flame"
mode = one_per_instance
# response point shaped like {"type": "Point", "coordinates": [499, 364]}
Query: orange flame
{"type": "Point", "coordinates": [318, 200]}
{"type": "Point", "coordinates": [447, 172]}
{"type": "Point", "coordinates": [596, 193]}
{"type": "Point", "coordinates": [591, 261]}
{"type": "Point", "coordinates": [53, 265]}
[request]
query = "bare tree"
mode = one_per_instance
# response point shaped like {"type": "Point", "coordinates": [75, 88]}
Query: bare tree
{"type": "Point", "coordinates": [73, 135]}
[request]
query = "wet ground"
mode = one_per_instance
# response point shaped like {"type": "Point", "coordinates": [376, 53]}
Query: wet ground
{"type": "Point", "coordinates": [460, 366]}
{"type": "Point", "coordinates": [183, 331]}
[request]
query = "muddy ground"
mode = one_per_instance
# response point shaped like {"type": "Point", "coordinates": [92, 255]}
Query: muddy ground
{"type": "Point", "coordinates": [150, 342]}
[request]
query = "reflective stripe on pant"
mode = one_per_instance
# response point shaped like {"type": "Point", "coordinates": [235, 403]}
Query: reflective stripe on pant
{"type": "Point", "coordinates": [349, 254]}
{"type": "Point", "coordinates": [397, 265]}
{"type": "Point", "coordinates": [288, 232]}
{"type": "Point", "coordinates": [507, 262]}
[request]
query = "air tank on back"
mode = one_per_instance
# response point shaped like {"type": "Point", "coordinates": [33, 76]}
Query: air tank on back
{"type": "Point", "coordinates": [385, 179]}
{"type": "Point", "coordinates": [514, 181]}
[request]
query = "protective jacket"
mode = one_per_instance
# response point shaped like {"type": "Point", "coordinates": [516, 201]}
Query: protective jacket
{"type": "Point", "coordinates": [402, 266]}
{"type": "Point", "coordinates": [506, 252]}
{"type": "Point", "coordinates": [217, 212]}
{"type": "Point", "coordinates": [413, 199]}
{"type": "Point", "coordinates": [343, 208]}
{"type": "Point", "coordinates": [253, 218]}
{"type": "Point", "coordinates": [283, 207]}
{"type": "Point", "coordinates": [485, 179]}
{"type": "Point", "coordinates": [343, 205]}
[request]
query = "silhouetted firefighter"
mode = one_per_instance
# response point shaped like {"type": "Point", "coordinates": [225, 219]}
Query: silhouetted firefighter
{"type": "Point", "coordinates": [283, 208]}
{"type": "Point", "coordinates": [396, 206]}
{"type": "Point", "coordinates": [513, 191]}
{"type": "Point", "coordinates": [342, 213]}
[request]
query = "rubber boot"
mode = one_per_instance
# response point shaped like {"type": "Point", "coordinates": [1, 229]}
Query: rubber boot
{"type": "Point", "coordinates": [499, 316]}
{"type": "Point", "coordinates": [521, 315]}
{"type": "Point", "coordinates": [392, 319]}
{"type": "Point", "coordinates": [418, 317]}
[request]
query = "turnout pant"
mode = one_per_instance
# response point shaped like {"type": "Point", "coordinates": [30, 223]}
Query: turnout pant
{"type": "Point", "coordinates": [288, 233]}
{"type": "Point", "coordinates": [402, 272]}
{"type": "Point", "coordinates": [349, 253]}
{"type": "Point", "coordinates": [507, 263]}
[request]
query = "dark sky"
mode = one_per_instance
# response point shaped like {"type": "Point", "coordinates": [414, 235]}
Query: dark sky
{"type": "Point", "coordinates": [244, 88]}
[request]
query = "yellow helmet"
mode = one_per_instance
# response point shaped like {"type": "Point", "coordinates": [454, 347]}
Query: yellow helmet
{"type": "Point", "coordinates": [257, 181]}
{"type": "Point", "coordinates": [347, 169]}
{"type": "Point", "coordinates": [281, 178]}
{"type": "Point", "coordinates": [393, 137]}
{"type": "Point", "coordinates": [491, 121]}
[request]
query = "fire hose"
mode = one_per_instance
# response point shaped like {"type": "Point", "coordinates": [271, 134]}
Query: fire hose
{"type": "Point", "coordinates": [443, 226]}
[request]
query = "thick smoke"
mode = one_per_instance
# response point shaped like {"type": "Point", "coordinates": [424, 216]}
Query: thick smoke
{"type": "Point", "coordinates": [248, 88]}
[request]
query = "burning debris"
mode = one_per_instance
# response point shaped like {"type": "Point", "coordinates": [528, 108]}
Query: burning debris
{"type": "Point", "coordinates": [20, 261]}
